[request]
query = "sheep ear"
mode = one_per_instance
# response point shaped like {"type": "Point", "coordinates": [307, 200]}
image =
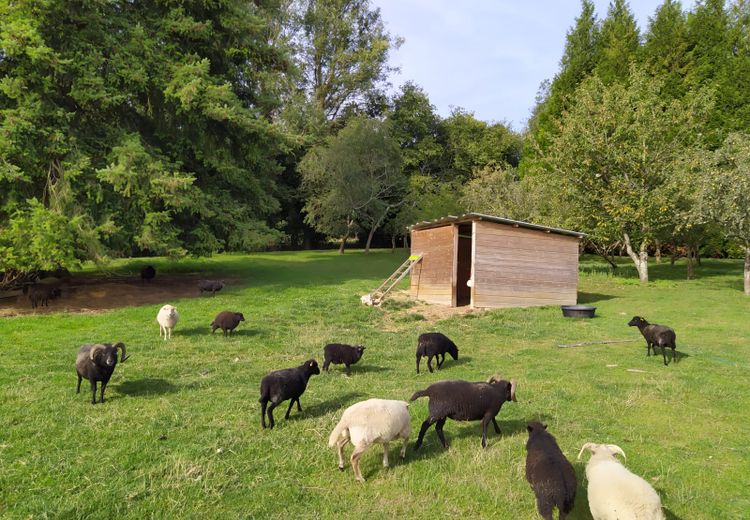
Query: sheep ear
{"type": "Point", "coordinates": [545, 426]}
{"type": "Point", "coordinates": [529, 428]}
{"type": "Point", "coordinates": [312, 363]}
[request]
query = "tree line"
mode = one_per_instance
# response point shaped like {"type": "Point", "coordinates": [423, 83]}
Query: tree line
{"type": "Point", "coordinates": [132, 128]}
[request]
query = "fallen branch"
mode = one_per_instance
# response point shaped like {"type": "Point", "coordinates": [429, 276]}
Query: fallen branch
{"type": "Point", "coordinates": [587, 343]}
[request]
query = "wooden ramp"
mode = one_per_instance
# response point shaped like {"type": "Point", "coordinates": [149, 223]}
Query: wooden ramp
{"type": "Point", "coordinates": [377, 296]}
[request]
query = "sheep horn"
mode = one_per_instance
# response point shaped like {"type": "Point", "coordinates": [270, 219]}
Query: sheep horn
{"type": "Point", "coordinates": [614, 448]}
{"type": "Point", "coordinates": [121, 346]}
{"type": "Point", "coordinates": [96, 348]}
{"type": "Point", "coordinates": [513, 390]}
{"type": "Point", "coordinates": [590, 445]}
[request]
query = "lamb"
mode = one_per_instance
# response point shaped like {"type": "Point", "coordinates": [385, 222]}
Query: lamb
{"type": "Point", "coordinates": [148, 273]}
{"type": "Point", "coordinates": [167, 318]}
{"type": "Point", "coordinates": [226, 321]}
{"type": "Point", "coordinates": [550, 474]}
{"type": "Point", "coordinates": [613, 491]}
{"type": "Point", "coordinates": [338, 354]}
{"type": "Point", "coordinates": [465, 401]}
{"type": "Point", "coordinates": [289, 383]}
{"type": "Point", "coordinates": [368, 422]}
{"type": "Point", "coordinates": [435, 344]}
{"type": "Point", "coordinates": [97, 363]}
{"type": "Point", "coordinates": [656, 335]}
{"type": "Point", "coordinates": [210, 286]}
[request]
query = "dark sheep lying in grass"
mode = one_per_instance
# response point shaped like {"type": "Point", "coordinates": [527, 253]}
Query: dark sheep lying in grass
{"type": "Point", "coordinates": [226, 321]}
{"type": "Point", "coordinates": [656, 336]}
{"type": "Point", "coordinates": [340, 354]}
{"type": "Point", "coordinates": [211, 286]}
{"type": "Point", "coordinates": [148, 273]}
{"type": "Point", "coordinates": [278, 386]}
{"type": "Point", "coordinates": [435, 344]}
{"type": "Point", "coordinates": [550, 474]}
{"type": "Point", "coordinates": [97, 363]}
{"type": "Point", "coordinates": [465, 401]}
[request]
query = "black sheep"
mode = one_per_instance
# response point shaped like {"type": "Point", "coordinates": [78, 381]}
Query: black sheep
{"type": "Point", "coordinates": [465, 401]}
{"type": "Point", "coordinates": [656, 336]}
{"type": "Point", "coordinates": [41, 293]}
{"type": "Point", "coordinates": [550, 474]}
{"type": "Point", "coordinates": [97, 363]}
{"type": "Point", "coordinates": [148, 273]}
{"type": "Point", "coordinates": [289, 383]}
{"type": "Point", "coordinates": [435, 344]}
{"type": "Point", "coordinates": [211, 286]}
{"type": "Point", "coordinates": [226, 321]}
{"type": "Point", "coordinates": [339, 354]}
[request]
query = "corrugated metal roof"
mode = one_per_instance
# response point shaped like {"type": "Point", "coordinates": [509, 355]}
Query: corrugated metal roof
{"type": "Point", "coordinates": [468, 217]}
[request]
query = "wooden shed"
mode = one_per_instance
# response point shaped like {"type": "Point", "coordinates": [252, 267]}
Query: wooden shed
{"type": "Point", "coordinates": [487, 261]}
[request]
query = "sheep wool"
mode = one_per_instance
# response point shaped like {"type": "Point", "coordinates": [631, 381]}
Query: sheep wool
{"type": "Point", "coordinates": [167, 319]}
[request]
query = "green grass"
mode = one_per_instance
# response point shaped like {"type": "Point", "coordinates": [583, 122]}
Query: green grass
{"type": "Point", "coordinates": [180, 436]}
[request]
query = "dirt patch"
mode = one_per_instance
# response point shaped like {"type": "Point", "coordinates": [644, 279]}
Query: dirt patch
{"type": "Point", "coordinates": [401, 308]}
{"type": "Point", "coordinates": [89, 294]}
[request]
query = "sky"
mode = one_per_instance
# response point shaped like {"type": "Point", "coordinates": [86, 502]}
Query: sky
{"type": "Point", "coordinates": [487, 56]}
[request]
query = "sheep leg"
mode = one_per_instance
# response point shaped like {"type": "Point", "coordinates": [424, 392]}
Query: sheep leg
{"type": "Point", "coordinates": [340, 445]}
{"type": "Point", "coordinates": [299, 408]}
{"type": "Point", "coordinates": [270, 415]}
{"type": "Point", "coordinates": [545, 509]}
{"type": "Point", "coordinates": [497, 428]}
{"type": "Point", "coordinates": [664, 353]}
{"type": "Point", "coordinates": [356, 454]}
{"type": "Point", "coordinates": [326, 363]}
{"type": "Point", "coordinates": [439, 430]}
{"type": "Point", "coordinates": [263, 413]}
{"type": "Point", "coordinates": [419, 358]}
{"type": "Point", "coordinates": [78, 390]}
{"type": "Point", "coordinates": [403, 448]}
{"type": "Point", "coordinates": [289, 410]}
{"type": "Point", "coordinates": [348, 370]}
{"type": "Point", "coordinates": [429, 363]}
{"type": "Point", "coordinates": [648, 349]}
{"type": "Point", "coordinates": [440, 360]}
{"type": "Point", "coordinates": [485, 423]}
{"type": "Point", "coordinates": [93, 392]}
{"type": "Point", "coordinates": [385, 454]}
{"type": "Point", "coordinates": [425, 426]}
{"type": "Point", "coordinates": [101, 395]}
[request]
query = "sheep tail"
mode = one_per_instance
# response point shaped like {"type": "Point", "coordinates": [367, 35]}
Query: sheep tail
{"type": "Point", "coordinates": [417, 395]}
{"type": "Point", "coordinates": [336, 433]}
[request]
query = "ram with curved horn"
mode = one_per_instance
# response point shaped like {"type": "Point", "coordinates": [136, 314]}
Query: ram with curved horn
{"type": "Point", "coordinates": [97, 364]}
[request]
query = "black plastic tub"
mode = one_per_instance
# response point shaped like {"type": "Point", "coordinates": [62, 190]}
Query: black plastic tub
{"type": "Point", "coordinates": [578, 311]}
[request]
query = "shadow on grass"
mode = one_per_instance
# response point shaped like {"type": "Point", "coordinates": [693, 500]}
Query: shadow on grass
{"type": "Point", "coordinates": [361, 369]}
{"type": "Point", "coordinates": [147, 386]}
{"type": "Point", "coordinates": [584, 298]}
{"type": "Point", "coordinates": [206, 331]}
{"type": "Point", "coordinates": [337, 403]}
{"type": "Point", "coordinates": [670, 515]}
{"type": "Point", "coordinates": [447, 364]}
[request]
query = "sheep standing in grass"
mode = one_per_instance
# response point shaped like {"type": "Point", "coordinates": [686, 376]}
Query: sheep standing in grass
{"type": "Point", "coordinates": [614, 492]}
{"type": "Point", "coordinates": [211, 286]}
{"type": "Point", "coordinates": [167, 318]}
{"type": "Point", "coordinates": [148, 273]}
{"type": "Point", "coordinates": [339, 354]}
{"type": "Point", "coordinates": [550, 474]}
{"type": "Point", "coordinates": [435, 344]}
{"type": "Point", "coordinates": [465, 401]}
{"type": "Point", "coordinates": [289, 383]}
{"type": "Point", "coordinates": [375, 421]}
{"type": "Point", "coordinates": [656, 336]}
{"type": "Point", "coordinates": [226, 321]}
{"type": "Point", "coordinates": [97, 364]}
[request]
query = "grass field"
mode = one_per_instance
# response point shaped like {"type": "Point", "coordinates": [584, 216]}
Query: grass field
{"type": "Point", "coordinates": [180, 435]}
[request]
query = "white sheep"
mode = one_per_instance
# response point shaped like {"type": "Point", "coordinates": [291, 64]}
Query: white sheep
{"type": "Point", "coordinates": [614, 492]}
{"type": "Point", "coordinates": [369, 422]}
{"type": "Point", "coordinates": [167, 318]}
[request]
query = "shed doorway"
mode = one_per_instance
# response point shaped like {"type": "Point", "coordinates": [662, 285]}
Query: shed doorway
{"type": "Point", "coordinates": [463, 264]}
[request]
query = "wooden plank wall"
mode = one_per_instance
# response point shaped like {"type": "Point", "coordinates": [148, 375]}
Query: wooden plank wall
{"type": "Point", "coordinates": [520, 267]}
{"type": "Point", "coordinates": [432, 278]}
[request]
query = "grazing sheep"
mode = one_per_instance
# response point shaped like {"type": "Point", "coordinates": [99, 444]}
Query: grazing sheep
{"type": "Point", "coordinates": [550, 474]}
{"type": "Point", "coordinates": [41, 293]}
{"type": "Point", "coordinates": [435, 344]}
{"type": "Point", "coordinates": [226, 321]}
{"type": "Point", "coordinates": [97, 363]}
{"type": "Point", "coordinates": [289, 383]}
{"type": "Point", "coordinates": [369, 422]}
{"type": "Point", "coordinates": [339, 354]}
{"type": "Point", "coordinates": [465, 401]}
{"type": "Point", "coordinates": [656, 336]}
{"type": "Point", "coordinates": [211, 286]}
{"type": "Point", "coordinates": [614, 492]}
{"type": "Point", "coordinates": [148, 273]}
{"type": "Point", "coordinates": [167, 318]}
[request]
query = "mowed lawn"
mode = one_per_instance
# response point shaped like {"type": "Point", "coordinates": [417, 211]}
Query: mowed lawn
{"type": "Point", "coordinates": [180, 437]}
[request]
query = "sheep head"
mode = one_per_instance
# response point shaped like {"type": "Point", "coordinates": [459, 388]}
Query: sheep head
{"type": "Point", "coordinates": [511, 386]}
{"type": "Point", "coordinates": [637, 321]}
{"type": "Point", "coordinates": [596, 449]}
{"type": "Point", "coordinates": [239, 316]}
{"type": "Point", "coordinates": [108, 352]}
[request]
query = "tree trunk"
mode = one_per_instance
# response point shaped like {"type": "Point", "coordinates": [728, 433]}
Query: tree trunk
{"type": "Point", "coordinates": [690, 259]}
{"type": "Point", "coordinates": [369, 241]}
{"type": "Point", "coordinates": [673, 258]}
{"type": "Point", "coordinates": [349, 226]}
{"type": "Point", "coordinates": [406, 242]}
{"type": "Point", "coordinates": [747, 269]}
{"type": "Point", "coordinates": [697, 256]}
{"type": "Point", "coordinates": [640, 259]}
{"type": "Point", "coordinates": [393, 243]}
{"type": "Point", "coordinates": [657, 253]}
